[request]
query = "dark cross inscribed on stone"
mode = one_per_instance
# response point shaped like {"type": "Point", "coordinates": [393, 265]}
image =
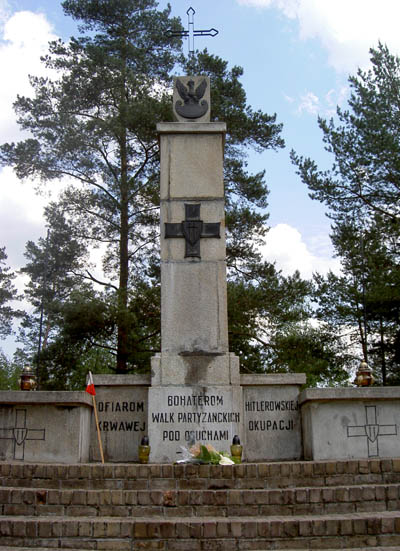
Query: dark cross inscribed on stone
{"type": "Point", "coordinates": [192, 32]}
{"type": "Point", "coordinates": [192, 229]}
{"type": "Point", "coordinates": [372, 430]}
{"type": "Point", "coordinates": [20, 433]}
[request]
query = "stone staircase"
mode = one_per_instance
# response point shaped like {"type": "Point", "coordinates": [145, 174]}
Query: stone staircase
{"type": "Point", "coordinates": [293, 505]}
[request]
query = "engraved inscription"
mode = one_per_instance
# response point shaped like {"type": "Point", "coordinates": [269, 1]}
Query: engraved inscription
{"type": "Point", "coordinates": [272, 422]}
{"type": "Point", "coordinates": [110, 425]}
{"type": "Point", "coordinates": [204, 417]}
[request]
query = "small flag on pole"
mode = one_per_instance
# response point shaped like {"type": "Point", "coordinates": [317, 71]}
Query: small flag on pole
{"type": "Point", "coordinates": [90, 385]}
{"type": "Point", "coordinates": [90, 390]}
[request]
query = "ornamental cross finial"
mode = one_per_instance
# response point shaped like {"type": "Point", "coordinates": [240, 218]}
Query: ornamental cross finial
{"type": "Point", "coordinates": [192, 32]}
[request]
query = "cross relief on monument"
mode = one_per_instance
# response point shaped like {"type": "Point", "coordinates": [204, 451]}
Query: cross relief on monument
{"type": "Point", "coordinates": [371, 430]}
{"type": "Point", "coordinates": [192, 229]}
{"type": "Point", "coordinates": [20, 433]}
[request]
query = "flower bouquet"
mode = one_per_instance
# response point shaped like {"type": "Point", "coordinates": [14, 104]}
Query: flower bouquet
{"type": "Point", "coordinates": [205, 454]}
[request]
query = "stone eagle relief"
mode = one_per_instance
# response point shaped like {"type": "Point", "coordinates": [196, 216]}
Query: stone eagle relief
{"type": "Point", "coordinates": [191, 107]}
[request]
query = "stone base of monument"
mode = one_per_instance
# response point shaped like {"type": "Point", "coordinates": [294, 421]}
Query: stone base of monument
{"type": "Point", "coordinates": [193, 398]}
{"type": "Point", "coordinates": [351, 422]}
{"type": "Point", "coordinates": [261, 409]}
{"type": "Point", "coordinates": [48, 427]}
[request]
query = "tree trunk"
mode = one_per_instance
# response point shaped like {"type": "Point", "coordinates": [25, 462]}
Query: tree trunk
{"type": "Point", "coordinates": [382, 347]}
{"type": "Point", "coordinates": [363, 338]}
{"type": "Point", "coordinates": [123, 324]}
{"type": "Point", "coordinates": [122, 346]}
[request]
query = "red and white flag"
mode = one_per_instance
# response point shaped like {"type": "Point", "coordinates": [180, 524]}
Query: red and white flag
{"type": "Point", "coordinates": [90, 385]}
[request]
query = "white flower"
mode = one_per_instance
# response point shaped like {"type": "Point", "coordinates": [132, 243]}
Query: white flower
{"type": "Point", "coordinates": [226, 461]}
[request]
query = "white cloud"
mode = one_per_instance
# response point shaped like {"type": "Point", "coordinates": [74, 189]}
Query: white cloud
{"type": "Point", "coordinates": [21, 215]}
{"type": "Point", "coordinates": [309, 103]}
{"type": "Point", "coordinates": [25, 36]}
{"type": "Point", "coordinates": [289, 99]}
{"type": "Point", "coordinates": [346, 28]}
{"type": "Point", "coordinates": [285, 246]}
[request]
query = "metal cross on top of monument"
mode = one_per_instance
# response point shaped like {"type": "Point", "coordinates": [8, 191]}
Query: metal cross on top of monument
{"type": "Point", "coordinates": [192, 32]}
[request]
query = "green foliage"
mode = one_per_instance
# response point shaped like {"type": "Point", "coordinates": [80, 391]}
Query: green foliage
{"type": "Point", "coordinates": [8, 293]}
{"type": "Point", "coordinates": [316, 351]}
{"type": "Point", "coordinates": [9, 373]}
{"type": "Point", "coordinates": [208, 456]}
{"type": "Point", "coordinates": [269, 329]}
{"type": "Point", "coordinates": [365, 177]}
{"type": "Point", "coordinates": [53, 266]}
{"type": "Point", "coordinates": [96, 124]}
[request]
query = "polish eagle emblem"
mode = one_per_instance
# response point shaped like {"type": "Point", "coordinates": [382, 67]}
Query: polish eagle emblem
{"type": "Point", "coordinates": [191, 107]}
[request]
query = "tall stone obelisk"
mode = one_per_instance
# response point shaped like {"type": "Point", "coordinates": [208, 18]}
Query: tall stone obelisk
{"type": "Point", "coordinates": [195, 391]}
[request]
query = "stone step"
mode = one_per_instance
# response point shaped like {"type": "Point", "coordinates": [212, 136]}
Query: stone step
{"type": "Point", "coordinates": [174, 477]}
{"type": "Point", "coordinates": [114, 543]}
{"type": "Point", "coordinates": [171, 503]}
{"type": "Point", "coordinates": [336, 531]}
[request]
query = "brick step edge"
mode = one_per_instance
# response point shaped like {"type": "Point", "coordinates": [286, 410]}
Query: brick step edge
{"type": "Point", "coordinates": [18, 548]}
{"type": "Point", "coordinates": [199, 527]}
{"type": "Point", "coordinates": [234, 496]}
{"type": "Point", "coordinates": [354, 543]}
{"type": "Point", "coordinates": [2, 548]}
{"type": "Point", "coordinates": [149, 484]}
{"type": "Point", "coordinates": [300, 469]}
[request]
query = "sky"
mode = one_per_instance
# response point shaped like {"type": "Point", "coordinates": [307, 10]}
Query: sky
{"type": "Point", "coordinates": [296, 56]}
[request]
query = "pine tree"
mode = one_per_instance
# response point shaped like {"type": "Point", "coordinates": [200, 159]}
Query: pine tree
{"type": "Point", "coordinates": [8, 293]}
{"type": "Point", "coordinates": [362, 194]}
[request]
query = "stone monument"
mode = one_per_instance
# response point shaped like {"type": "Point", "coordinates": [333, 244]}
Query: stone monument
{"type": "Point", "coordinates": [195, 392]}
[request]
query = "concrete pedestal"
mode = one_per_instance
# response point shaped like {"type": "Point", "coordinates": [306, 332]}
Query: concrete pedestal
{"type": "Point", "coordinates": [347, 423]}
{"type": "Point", "coordinates": [48, 427]}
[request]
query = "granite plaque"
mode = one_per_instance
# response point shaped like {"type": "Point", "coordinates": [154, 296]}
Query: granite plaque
{"type": "Point", "coordinates": [182, 415]}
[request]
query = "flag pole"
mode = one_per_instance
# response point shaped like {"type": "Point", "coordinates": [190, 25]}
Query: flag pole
{"type": "Point", "coordinates": [91, 390]}
{"type": "Point", "coordinates": [98, 428]}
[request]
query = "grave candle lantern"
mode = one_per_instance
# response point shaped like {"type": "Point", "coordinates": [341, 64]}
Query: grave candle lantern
{"type": "Point", "coordinates": [364, 376]}
{"type": "Point", "coordinates": [236, 449]}
{"type": "Point", "coordinates": [28, 379]}
{"type": "Point", "coordinates": [144, 450]}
